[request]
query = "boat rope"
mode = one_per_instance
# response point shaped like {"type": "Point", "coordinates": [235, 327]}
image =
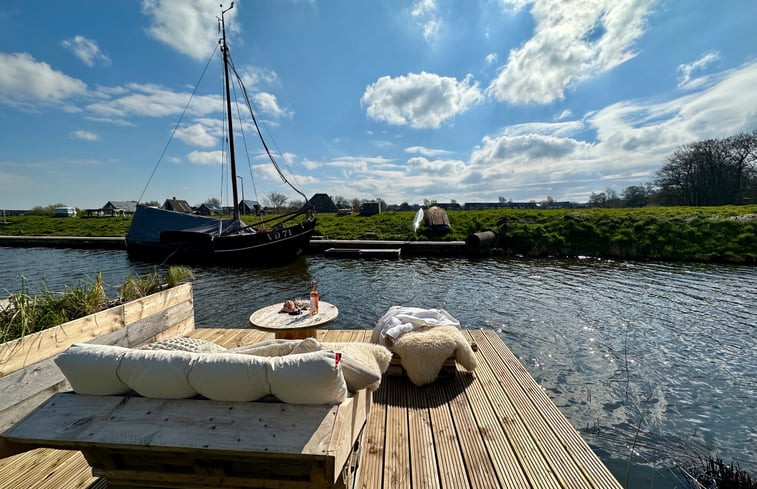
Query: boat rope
{"type": "Point", "coordinates": [173, 132]}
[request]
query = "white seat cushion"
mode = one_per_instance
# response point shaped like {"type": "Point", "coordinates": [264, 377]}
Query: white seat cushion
{"type": "Point", "coordinates": [308, 378]}
{"type": "Point", "coordinates": [161, 374]}
{"type": "Point", "coordinates": [230, 377]}
{"type": "Point", "coordinates": [93, 369]}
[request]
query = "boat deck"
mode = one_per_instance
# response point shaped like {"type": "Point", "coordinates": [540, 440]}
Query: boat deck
{"type": "Point", "coordinates": [491, 428]}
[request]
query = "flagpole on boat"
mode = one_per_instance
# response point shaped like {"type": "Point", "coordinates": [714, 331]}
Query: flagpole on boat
{"type": "Point", "coordinates": [225, 50]}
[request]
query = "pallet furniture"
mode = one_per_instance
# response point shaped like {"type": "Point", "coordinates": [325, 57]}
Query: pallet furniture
{"type": "Point", "coordinates": [138, 442]}
{"type": "Point", "coordinates": [28, 378]}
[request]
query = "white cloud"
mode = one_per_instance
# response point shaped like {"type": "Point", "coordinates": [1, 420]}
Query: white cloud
{"type": "Point", "coordinates": [491, 58]}
{"type": "Point", "coordinates": [565, 114]}
{"type": "Point", "coordinates": [206, 157]}
{"type": "Point", "coordinates": [86, 50]}
{"type": "Point", "coordinates": [422, 150]}
{"type": "Point", "coordinates": [420, 100]}
{"type": "Point", "coordinates": [153, 101]}
{"type": "Point", "coordinates": [438, 167]}
{"type": "Point", "coordinates": [573, 40]}
{"type": "Point", "coordinates": [685, 70]}
{"type": "Point", "coordinates": [254, 76]}
{"type": "Point", "coordinates": [197, 135]}
{"type": "Point", "coordinates": [425, 13]}
{"type": "Point", "coordinates": [85, 135]}
{"type": "Point", "coordinates": [188, 26]}
{"type": "Point", "coordinates": [25, 81]}
{"type": "Point", "coordinates": [268, 104]}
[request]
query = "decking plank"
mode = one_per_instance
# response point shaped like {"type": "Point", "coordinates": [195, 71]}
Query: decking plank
{"type": "Point", "coordinates": [397, 447]}
{"type": "Point", "coordinates": [478, 465]}
{"type": "Point", "coordinates": [449, 458]}
{"type": "Point", "coordinates": [498, 386]}
{"type": "Point", "coordinates": [424, 472]}
{"type": "Point", "coordinates": [560, 433]}
{"type": "Point", "coordinates": [371, 461]}
{"type": "Point", "coordinates": [484, 395]}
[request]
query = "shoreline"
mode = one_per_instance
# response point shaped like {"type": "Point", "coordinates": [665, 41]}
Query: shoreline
{"type": "Point", "coordinates": [413, 248]}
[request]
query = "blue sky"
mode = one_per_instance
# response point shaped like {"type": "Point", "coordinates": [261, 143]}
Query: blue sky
{"type": "Point", "coordinates": [401, 100]}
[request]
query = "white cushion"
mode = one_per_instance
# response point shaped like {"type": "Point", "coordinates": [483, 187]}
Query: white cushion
{"type": "Point", "coordinates": [359, 363]}
{"type": "Point", "coordinates": [230, 377]}
{"type": "Point", "coordinates": [308, 378]}
{"type": "Point", "coordinates": [93, 369]}
{"type": "Point", "coordinates": [183, 343]}
{"type": "Point", "coordinates": [160, 374]}
{"type": "Point", "coordinates": [270, 348]}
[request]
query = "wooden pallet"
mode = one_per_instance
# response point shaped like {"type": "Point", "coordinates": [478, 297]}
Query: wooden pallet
{"type": "Point", "coordinates": [141, 442]}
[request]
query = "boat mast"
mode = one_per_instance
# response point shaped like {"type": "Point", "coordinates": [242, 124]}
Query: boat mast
{"type": "Point", "coordinates": [225, 50]}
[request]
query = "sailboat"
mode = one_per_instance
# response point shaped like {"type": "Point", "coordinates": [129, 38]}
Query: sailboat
{"type": "Point", "coordinates": [166, 235]}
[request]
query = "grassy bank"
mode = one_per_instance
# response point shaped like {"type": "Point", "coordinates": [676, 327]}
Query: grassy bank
{"type": "Point", "coordinates": [720, 234]}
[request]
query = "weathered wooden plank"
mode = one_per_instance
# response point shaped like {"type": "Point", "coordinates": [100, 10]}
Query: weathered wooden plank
{"type": "Point", "coordinates": [35, 347]}
{"type": "Point", "coordinates": [349, 423]}
{"type": "Point", "coordinates": [485, 395]}
{"type": "Point", "coordinates": [147, 306]}
{"type": "Point", "coordinates": [449, 457]}
{"type": "Point", "coordinates": [424, 472]}
{"type": "Point", "coordinates": [371, 461]}
{"type": "Point", "coordinates": [46, 468]}
{"type": "Point", "coordinates": [499, 389]}
{"type": "Point", "coordinates": [558, 431]}
{"type": "Point", "coordinates": [478, 466]}
{"type": "Point", "coordinates": [397, 451]}
{"type": "Point", "coordinates": [73, 421]}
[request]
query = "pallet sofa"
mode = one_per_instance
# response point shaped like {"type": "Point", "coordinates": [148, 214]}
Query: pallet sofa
{"type": "Point", "coordinates": [194, 438]}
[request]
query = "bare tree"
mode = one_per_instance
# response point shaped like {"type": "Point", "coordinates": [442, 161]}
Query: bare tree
{"type": "Point", "coordinates": [276, 200]}
{"type": "Point", "coordinates": [711, 172]}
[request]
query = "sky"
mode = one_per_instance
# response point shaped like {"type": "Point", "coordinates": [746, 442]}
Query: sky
{"type": "Point", "coordinates": [406, 101]}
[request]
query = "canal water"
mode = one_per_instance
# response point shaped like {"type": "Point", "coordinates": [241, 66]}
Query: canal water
{"type": "Point", "coordinates": [655, 364]}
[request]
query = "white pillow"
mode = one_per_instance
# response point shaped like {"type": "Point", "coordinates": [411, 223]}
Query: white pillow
{"type": "Point", "coordinates": [270, 348]}
{"type": "Point", "coordinates": [93, 369]}
{"type": "Point", "coordinates": [362, 363]}
{"type": "Point", "coordinates": [183, 343]}
{"type": "Point", "coordinates": [230, 377]}
{"type": "Point", "coordinates": [308, 378]}
{"type": "Point", "coordinates": [161, 374]}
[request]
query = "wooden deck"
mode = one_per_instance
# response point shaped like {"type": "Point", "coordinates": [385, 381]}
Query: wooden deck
{"type": "Point", "coordinates": [492, 428]}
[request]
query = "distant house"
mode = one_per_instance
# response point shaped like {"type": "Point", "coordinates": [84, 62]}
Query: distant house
{"type": "Point", "coordinates": [177, 205]}
{"type": "Point", "coordinates": [451, 206]}
{"type": "Point", "coordinates": [323, 203]}
{"type": "Point", "coordinates": [370, 208]}
{"type": "Point", "coordinates": [210, 209]}
{"type": "Point", "coordinates": [120, 208]}
{"type": "Point", "coordinates": [249, 207]}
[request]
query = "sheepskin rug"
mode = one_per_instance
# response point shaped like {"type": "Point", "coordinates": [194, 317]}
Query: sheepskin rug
{"type": "Point", "coordinates": [423, 352]}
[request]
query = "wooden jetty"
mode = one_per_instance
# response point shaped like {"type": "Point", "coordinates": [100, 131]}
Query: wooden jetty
{"type": "Point", "coordinates": [492, 428]}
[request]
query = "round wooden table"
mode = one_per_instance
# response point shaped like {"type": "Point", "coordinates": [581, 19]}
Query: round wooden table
{"type": "Point", "coordinates": [293, 327]}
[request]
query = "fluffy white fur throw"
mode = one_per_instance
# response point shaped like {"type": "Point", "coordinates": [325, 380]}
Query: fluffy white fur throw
{"type": "Point", "coordinates": [423, 352]}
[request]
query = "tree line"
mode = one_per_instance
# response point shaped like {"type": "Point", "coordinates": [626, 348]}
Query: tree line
{"type": "Point", "coordinates": [705, 173]}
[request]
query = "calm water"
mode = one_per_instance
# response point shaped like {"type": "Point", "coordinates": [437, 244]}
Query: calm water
{"type": "Point", "coordinates": [668, 349]}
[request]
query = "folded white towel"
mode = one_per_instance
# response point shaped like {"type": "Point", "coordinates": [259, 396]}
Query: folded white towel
{"type": "Point", "coordinates": [399, 320]}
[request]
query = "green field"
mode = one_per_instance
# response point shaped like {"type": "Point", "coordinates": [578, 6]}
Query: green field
{"type": "Point", "coordinates": [718, 234]}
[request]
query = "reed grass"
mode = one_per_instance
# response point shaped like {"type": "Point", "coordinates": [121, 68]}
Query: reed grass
{"type": "Point", "coordinates": [22, 313]}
